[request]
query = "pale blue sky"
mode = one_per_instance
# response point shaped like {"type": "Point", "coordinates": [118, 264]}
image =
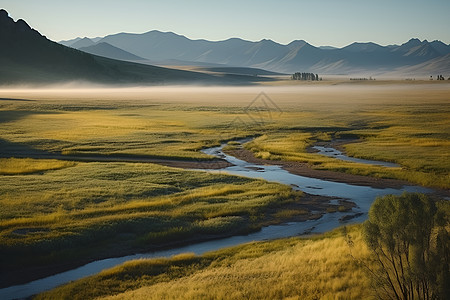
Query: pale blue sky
{"type": "Point", "coordinates": [319, 22]}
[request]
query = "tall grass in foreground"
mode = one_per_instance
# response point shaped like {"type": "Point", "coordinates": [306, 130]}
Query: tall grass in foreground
{"type": "Point", "coordinates": [334, 265]}
{"type": "Point", "coordinates": [295, 268]}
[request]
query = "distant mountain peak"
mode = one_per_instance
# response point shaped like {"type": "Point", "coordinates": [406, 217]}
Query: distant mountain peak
{"type": "Point", "coordinates": [297, 43]}
{"type": "Point", "coordinates": [3, 13]}
{"type": "Point", "coordinates": [11, 27]}
{"type": "Point", "coordinates": [160, 47]}
{"type": "Point", "coordinates": [413, 42]}
{"type": "Point", "coordinates": [107, 50]}
{"type": "Point", "coordinates": [28, 57]}
{"type": "Point", "coordinates": [363, 47]}
{"type": "Point", "coordinates": [164, 33]}
{"type": "Point", "coordinates": [84, 42]}
{"type": "Point", "coordinates": [22, 25]}
{"type": "Point", "coordinates": [4, 18]}
{"type": "Point", "coordinates": [267, 41]}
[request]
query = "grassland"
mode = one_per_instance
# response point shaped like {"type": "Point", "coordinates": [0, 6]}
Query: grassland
{"type": "Point", "coordinates": [93, 210]}
{"type": "Point", "coordinates": [334, 265]}
{"type": "Point", "coordinates": [413, 131]}
{"type": "Point", "coordinates": [14, 166]}
{"type": "Point", "coordinates": [322, 267]}
{"type": "Point", "coordinates": [403, 123]}
{"type": "Point", "coordinates": [61, 210]}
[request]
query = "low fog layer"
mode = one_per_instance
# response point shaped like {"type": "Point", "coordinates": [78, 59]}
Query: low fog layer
{"type": "Point", "coordinates": [222, 95]}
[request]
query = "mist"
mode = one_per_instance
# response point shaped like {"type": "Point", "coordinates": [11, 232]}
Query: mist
{"type": "Point", "coordinates": [332, 92]}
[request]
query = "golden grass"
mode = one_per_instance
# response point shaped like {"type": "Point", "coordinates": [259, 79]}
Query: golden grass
{"type": "Point", "coordinates": [397, 121]}
{"type": "Point", "coordinates": [95, 205]}
{"type": "Point", "coordinates": [14, 166]}
{"type": "Point", "coordinates": [319, 267]}
{"type": "Point", "coordinates": [414, 135]}
{"type": "Point", "coordinates": [92, 204]}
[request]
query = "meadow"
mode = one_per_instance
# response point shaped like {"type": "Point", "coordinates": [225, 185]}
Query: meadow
{"type": "Point", "coordinates": [321, 267]}
{"type": "Point", "coordinates": [94, 210]}
{"type": "Point", "coordinates": [408, 127]}
{"type": "Point", "coordinates": [63, 211]}
{"type": "Point", "coordinates": [334, 265]}
{"type": "Point", "coordinates": [406, 123]}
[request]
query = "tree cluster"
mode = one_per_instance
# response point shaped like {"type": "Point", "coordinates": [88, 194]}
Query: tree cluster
{"type": "Point", "coordinates": [439, 77]}
{"type": "Point", "coordinates": [408, 236]}
{"type": "Point", "coordinates": [305, 76]}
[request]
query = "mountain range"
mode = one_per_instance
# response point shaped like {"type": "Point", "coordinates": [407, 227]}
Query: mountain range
{"type": "Point", "coordinates": [28, 57]}
{"type": "Point", "coordinates": [168, 48]}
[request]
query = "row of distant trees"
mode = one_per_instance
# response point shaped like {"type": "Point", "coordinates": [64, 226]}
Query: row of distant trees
{"type": "Point", "coordinates": [439, 77]}
{"type": "Point", "coordinates": [305, 76]}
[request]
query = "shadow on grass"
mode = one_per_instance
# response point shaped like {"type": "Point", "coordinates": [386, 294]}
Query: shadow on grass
{"type": "Point", "coordinates": [19, 150]}
{"type": "Point", "coordinates": [15, 99]}
{"type": "Point", "coordinates": [14, 115]}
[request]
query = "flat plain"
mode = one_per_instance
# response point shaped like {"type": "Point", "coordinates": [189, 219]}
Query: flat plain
{"type": "Point", "coordinates": [67, 212]}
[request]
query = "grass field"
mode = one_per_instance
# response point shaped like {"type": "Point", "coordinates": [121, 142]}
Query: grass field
{"type": "Point", "coordinates": [61, 210]}
{"type": "Point", "coordinates": [404, 123]}
{"type": "Point", "coordinates": [99, 209]}
{"type": "Point", "coordinates": [14, 166]}
{"type": "Point", "coordinates": [321, 267]}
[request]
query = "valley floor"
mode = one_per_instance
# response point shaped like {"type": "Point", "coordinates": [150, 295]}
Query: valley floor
{"type": "Point", "coordinates": [79, 181]}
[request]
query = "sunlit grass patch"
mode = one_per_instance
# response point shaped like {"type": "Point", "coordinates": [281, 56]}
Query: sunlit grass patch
{"type": "Point", "coordinates": [410, 135]}
{"type": "Point", "coordinates": [93, 205]}
{"type": "Point", "coordinates": [93, 209]}
{"type": "Point", "coordinates": [160, 132]}
{"type": "Point", "coordinates": [13, 166]}
{"type": "Point", "coordinates": [287, 268]}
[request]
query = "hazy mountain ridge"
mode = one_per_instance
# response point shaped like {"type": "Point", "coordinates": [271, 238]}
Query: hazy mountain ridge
{"type": "Point", "coordinates": [108, 50]}
{"type": "Point", "coordinates": [266, 54]}
{"type": "Point", "coordinates": [27, 57]}
{"type": "Point", "coordinates": [84, 42]}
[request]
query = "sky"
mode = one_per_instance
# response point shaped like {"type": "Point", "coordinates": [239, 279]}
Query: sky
{"type": "Point", "coordinates": [320, 22]}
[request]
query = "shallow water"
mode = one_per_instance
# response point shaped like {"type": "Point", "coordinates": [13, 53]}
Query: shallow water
{"type": "Point", "coordinates": [363, 196]}
{"type": "Point", "coordinates": [267, 233]}
{"type": "Point", "coordinates": [331, 152]}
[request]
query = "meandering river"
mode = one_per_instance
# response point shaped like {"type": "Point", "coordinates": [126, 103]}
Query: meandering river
{"type": "Point", "coordinates": [362, 196]}
{"type": "Point", "coordinates": [332, 152]}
